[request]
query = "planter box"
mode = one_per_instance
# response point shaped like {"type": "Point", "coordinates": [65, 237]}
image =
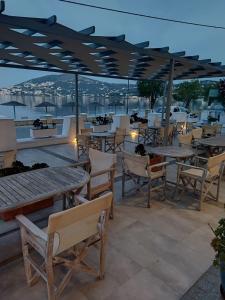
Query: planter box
{"type": "Point", "coordinates": [101, 128]}
{"type": "Point", "coordinates": [43, 133]}
{"type": "Point", "coordinates": [28, 209]}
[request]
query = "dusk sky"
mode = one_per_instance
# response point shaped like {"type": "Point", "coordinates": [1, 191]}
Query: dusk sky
{"type": "Point", "coordinates": [208, 43]}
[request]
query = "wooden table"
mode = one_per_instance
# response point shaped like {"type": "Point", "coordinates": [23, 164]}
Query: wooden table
{"type": "Point", "coordinates": [179, 153]}
{"type": "Point", "coordinates": [29, 188]}
{"type": "Point", "coordinates": [215, 141]}
{"type": "Point", "coordinates": [102, 136]}
{"type": "Point", "coordinates": [176, 152]}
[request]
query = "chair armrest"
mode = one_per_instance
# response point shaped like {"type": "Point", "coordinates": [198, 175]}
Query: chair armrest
{"type": "Point", "coordinates": [81, 199]}
{"type": "Point", "coordinates": [102, 172]}
{"type": "Point", "coordinates": [82, 163]}
{"type": "Point", "coordinates": [162, 164]}
{"type": "Point", "coordinates": [201, 158]}
{"type": "Point", "coordinates": [31, 227]}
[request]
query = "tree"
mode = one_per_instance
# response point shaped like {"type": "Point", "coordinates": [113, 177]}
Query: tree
{"type": "Point", "coordinates": [188, 91]}
{"type": "Point", "coordinates": [150, 89]}
{"type": "Point", "coordinates": [206, 92]}
{"type": "Point", "coordinates": [221, 86]}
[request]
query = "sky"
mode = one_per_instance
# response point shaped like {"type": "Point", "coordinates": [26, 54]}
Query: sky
{"type": "Point", "coordinates": [208, 43]}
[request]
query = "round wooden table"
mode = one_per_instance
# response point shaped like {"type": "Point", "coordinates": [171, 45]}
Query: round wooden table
{"type": "Point", "coordinates": [176, 152]}
{"type": "Point", "coordinates": [102, 136]}
{"type": "Point", "coordinates": [215, 141]}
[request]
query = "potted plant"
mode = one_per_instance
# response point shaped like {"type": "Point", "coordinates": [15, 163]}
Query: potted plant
{"type": "Point", "coordinates": [218, 244]}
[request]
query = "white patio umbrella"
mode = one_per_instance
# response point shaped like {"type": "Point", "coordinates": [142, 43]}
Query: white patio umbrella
{"type": "Point", "coordinates": [46, 104]}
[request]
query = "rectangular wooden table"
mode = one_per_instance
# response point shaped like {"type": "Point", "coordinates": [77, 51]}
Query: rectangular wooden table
{"type": "Point", "coordinates": [23, 190]}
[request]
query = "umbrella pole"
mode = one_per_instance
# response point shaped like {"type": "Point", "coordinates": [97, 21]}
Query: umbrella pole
{"type": "Point", "coordinates": [14, 111]}
{"type": "Point", "coordinates": [77, 105]}
{"type": "Point", "coordinates": [168, 101]}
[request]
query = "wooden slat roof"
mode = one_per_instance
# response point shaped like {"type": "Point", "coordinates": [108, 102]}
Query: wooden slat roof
{"type": "Point", "coordinates": [44, 44]}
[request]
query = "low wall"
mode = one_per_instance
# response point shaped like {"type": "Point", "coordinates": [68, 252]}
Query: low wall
{"type": "Point", "coordinates": [34, 143]}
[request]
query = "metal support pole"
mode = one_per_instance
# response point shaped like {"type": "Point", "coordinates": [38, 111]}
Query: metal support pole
{"type": "Point", "coordinates": [128, 92]}
{"type": "Point", "coordinates": [164, 101]}
{"type": "Point", "coordinates": [77, 105]}
{"type": "Point", "coordinates": [169, 100]}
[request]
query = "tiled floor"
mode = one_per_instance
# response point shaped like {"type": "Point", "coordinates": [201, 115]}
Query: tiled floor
{"type": "Point", "coordinates": [207, 287]}
{"type": "Point", "coordinates": [156, 253]}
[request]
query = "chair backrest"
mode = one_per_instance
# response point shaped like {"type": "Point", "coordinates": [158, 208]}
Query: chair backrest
{"type": "Point", "coordinates": [185, 139]}
{"type": "Point", "coordinates": [7, 158]}
{"type": "Point", "coordinates": [120, 135]}
{"type": "Point", "coordinates": [180, 126]}
{"type": "Point", "coordinates": [189, 126]}
{"type": "Point", "coordinates": [197, 133]}
{"type": "Point", "coordinates": [136, 164]}
{"type": "Point", "coordinates": [74, 225]}
{"type": "Point", "coordinates": [208, 130]}
{"type": "Point", "coordinates": [162, 132]}
{"type": "Point", "coordinates": [170, 130]}
{"type": "Point", "coordinates": [214, 164]}
{"type": "Point", "coordinates": [86, 130]}
{"type": "Point", "coordinates": [217, 128]}
{"type": "Point", "coordinates": [101, 161]}
{"type": "Point", "coordinates": [83, 139]}
{"type": "Point", "coordinates": [143, 125]}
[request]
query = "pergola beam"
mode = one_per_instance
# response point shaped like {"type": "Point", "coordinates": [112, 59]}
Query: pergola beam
{"type": "Point", "coordinates": [2, 6]}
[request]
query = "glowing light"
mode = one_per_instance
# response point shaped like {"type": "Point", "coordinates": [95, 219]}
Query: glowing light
{"type": "Point", "coordinates": [75, 148]}
{"type": "Point", "coordinates": [133, 134]}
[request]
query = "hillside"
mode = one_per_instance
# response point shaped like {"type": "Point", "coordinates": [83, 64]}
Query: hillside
{"type": "Point", "coordinates": [64, 85]}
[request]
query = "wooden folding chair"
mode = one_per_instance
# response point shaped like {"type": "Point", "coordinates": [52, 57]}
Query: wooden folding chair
{"type": "Point", "coordinates": [136, 167]}
{"type": "Point", "coordinates": [202, 179]}
{"type": "Point", "coordinates": [196, 134]}
{"type": "Point", "coordinates": [101, 167]}
{"type": "Point", "coordinates": [160, 137]}
{"type": "Point", "coordinates": [189, 127]}
{"type": "Point", "coordinates": [85, 142]}
{"type": "Point", "coordinates": [142, 129]}
{"type": "Point", "coordinates": [116, 142]}
{"type": "Point", "coordinates": [180, 126]}
{"type": "Point", "coordinates": [185, 140]}
{"type": "Point", "coordinates": [66, 241]}
{"type": "Point", "coordinates": [208, 130]}
{"type": "Point", "coordinates": [218, 128]}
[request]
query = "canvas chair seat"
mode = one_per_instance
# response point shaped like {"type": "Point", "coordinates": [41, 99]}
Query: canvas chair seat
{"type": "Point", "coordinates": [198, 173]}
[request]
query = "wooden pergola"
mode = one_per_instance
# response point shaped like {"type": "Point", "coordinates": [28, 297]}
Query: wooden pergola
{"type": "Point", "coordinates": [45, 45]}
